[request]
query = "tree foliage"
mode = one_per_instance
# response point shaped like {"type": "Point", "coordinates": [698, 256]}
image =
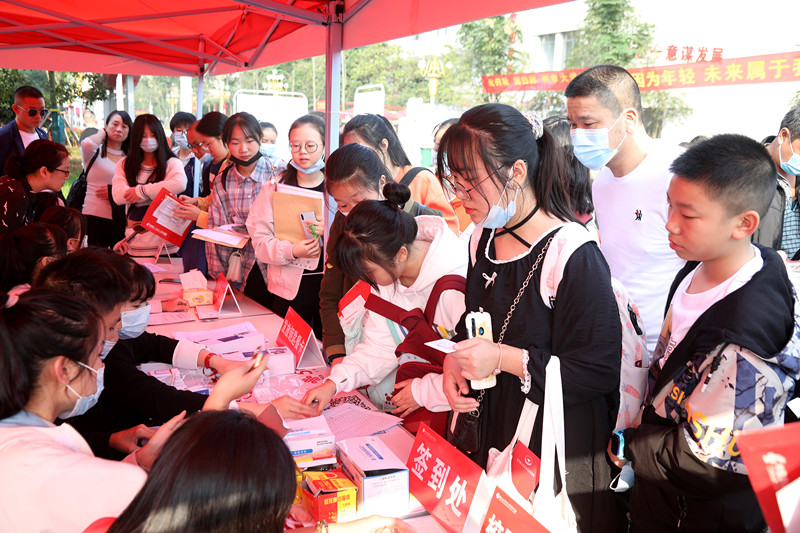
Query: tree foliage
{"type": "Point", "coordinates": [613, 34]}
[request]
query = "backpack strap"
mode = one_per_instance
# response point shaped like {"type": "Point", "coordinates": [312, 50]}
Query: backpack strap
{"type": "Point", "coordinates": [569, 238]}
{"type": "Point", "coordinates": [386, 309]}
{"type": "Point", "coordinates": [410, 175]}
{"type": "Point", "coordinates": [450, 282]}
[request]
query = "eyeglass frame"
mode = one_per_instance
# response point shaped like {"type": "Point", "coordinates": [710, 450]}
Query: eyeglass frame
{"type": "Point", "coordinates": [60, 170]}
{"type": "Point", "coordinates": [304, 145]}
{"type": "Point", "coordinates": [44, 113]}
{"type": "Point", "coordinates": [460, 189]}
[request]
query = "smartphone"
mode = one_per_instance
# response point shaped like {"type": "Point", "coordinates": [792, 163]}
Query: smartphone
{"type": "Point", "coordinates": [479, 324]}
{"type": "Point", "coordinates": [308, 215]}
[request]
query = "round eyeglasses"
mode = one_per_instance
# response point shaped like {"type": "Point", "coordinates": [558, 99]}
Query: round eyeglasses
{"type": "Point", "coordinates": [309, 146]}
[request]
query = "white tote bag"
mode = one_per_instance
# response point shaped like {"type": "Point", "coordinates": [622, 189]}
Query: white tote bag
{"type": "Point", "coordinates": [553, 511]}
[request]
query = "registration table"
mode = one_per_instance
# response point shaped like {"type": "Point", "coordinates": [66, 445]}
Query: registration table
{"type": "Point", "coordinates": [269, 387]}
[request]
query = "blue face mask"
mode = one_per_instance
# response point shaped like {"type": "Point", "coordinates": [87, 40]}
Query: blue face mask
{"type": "Point", "coordinates": [792, 166]}
{"type": "Point", "coordinates": [134, 322]}
{"type": "Point", "coordinates": [85, 403]}
{"type": "Point", "coordinates": [268, 150]}
{"type": "Point", "coordinates": [319, 165]}
{"type": "Point", "coordinates": [591, 146]}
{"type": "Point", "coordinates": [181, 140]}
{"type": "Point", "coordinates": [497, 217]}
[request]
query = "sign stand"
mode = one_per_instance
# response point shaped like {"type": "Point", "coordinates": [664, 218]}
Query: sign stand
{"type": "Point", "coordinates": [298, 336]}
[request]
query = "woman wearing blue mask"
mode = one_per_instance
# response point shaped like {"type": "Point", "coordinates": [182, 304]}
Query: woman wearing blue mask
{"type": "Point", "coordinates": [511, 176]}
{"type": "Point", "coordinates": [289, 282]}
{"type": "Point", "coordinates": [149, 166]}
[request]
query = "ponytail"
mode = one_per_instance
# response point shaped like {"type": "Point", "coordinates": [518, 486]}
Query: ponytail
{"type": "Point", "coordinates": [551, 179]}
{"type": "Point", "coordinates": [374, 231]}
{"type": "Point", "coordinates": [35, 327]}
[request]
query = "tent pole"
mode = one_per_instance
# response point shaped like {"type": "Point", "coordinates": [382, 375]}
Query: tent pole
{"type": "Point", "coordinates": [130, 95]}
{"type": "Point", "coordinates": [196, 191]}
{"type": "Point", "coordinates": [333, 75]}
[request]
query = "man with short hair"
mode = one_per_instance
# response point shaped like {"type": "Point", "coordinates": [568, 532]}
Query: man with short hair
{"type": "Point", "coordinates": [604, 108]}
{"type": "Point", "coordinates": [785, 151]}
{"type": "Point", "coordinates": [31, 112]}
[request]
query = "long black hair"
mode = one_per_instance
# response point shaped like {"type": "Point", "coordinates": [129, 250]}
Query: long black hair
{"type": "Point", "coordinates": [580, 186]}
{"type": "Point", "coordinates": [126, 119]}
{"type": "Point", "coordinates": [222, 471]}
{"type": "Point", "coordinates": [133, 161]}
{"type": "Point", "coordinates": [373, 129]}
{"type": "Point", "coordinates": [374, 231]}
{"type": "Point", "coordinates": [35, 327]}
{"type": "Point", "coordinates": [494, 136]}
{"type": "Point", "coordinates": [289, 175]}
{"type": "Point", "coordinates": [23, 249]}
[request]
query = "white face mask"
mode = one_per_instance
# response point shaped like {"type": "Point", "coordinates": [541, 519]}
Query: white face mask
{"type": "Point", "coordinates": [107, 346]}
{"type": "Point", "coordinates": [149, 145]}
{"type": "Point", "coordinates": [497, 217]}
{"type": "Point", "coordinates": [85, 403]}
{"type": "Point", "coordinates": [181, 140]}
{"type": "Point", "coordinates": [134, 322]}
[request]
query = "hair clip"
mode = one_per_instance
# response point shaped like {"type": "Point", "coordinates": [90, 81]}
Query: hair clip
{"type": "Point", "coordinates": [11, 299]}
{"type": "Point", "coordinates": [537, 126]}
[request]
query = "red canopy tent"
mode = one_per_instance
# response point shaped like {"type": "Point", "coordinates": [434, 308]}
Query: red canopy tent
{"type": "Point", "coordinates": [218, 36]}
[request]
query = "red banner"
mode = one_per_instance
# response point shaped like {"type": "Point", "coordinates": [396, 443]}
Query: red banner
{"type": "Point", "coordinates": [744, 70]}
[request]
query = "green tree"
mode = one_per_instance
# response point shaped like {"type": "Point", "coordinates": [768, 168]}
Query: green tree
{"type": "Point", "coordinates": [486, 47]}
{"type": "Point", "coordinates": [613, 34]}
{"type": "Point", "coordinates": [10, 79]}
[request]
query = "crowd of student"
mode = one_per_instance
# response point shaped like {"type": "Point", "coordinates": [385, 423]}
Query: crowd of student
{"type": "Point", "coordinates": [691, 233]}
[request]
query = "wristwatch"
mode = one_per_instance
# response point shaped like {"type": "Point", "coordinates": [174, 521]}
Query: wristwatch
{"type": "Point", "coordinates": [618, 444]}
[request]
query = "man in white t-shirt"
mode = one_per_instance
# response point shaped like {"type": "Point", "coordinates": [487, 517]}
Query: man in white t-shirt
{"type": "Point", "coordinates": [604, 108]}
{"type": "Point", "coordinates": [31, 113]}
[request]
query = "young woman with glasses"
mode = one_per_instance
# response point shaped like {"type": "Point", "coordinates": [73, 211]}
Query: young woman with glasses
{"type": "Point", "coordinates": [106, 147]}
{"type": "Point", "coordinates": [43, 167]}
{"type": "Point", "coordinates": [286, 262]}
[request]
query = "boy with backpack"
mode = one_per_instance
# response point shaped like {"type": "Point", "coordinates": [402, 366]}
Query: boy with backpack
{"type": "Point", "coordinates": [727, 357]}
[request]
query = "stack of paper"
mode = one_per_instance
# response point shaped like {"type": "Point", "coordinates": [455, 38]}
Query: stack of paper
{"type": "Point", "coordinates": [237, 338]}
{"type": "Point", "coordinates": [347, 421]}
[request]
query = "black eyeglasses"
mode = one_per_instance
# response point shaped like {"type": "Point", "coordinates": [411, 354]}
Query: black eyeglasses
{"type": "Point", "coordinates": [44, 113]}
{"type": "Point", "coordinates": [462, 191]}
{"type": "Point", "coordinates": [310, 147]}
{"type": "Point", "coordinates": [60, 170]}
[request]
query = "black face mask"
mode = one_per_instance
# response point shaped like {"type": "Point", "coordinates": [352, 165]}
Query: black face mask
{"type": "Point", "coordinates": [243, 163]}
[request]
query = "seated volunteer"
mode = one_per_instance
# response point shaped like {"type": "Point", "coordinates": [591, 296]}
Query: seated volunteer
{"type": "Point", "coordinates": [510, 174]}
{"type": "Point", "coordinates": [375, 132]}
{"type": "Point", "coordinates": [224, 456]}
{"type": "Point", "coordinates": [73, 223]}
{"type": "Point", "coordinates": [720, 366]}
{"type": "Point", "coordinates": [24, 252]}
{"type": "Point", "coordinates": [402, 258]}
{"type": "Point", "coordinates": [132, 400]}
{"type": "Point", "coordinates": [233, 194]}
{"type": "Point", "coordinates": [353, 173]}
{"type": "Point", "coordinates": [291, 273]}
{"type": "Point", "coordinates": [44, 166]}
{"type": "Point", "coordinates": [50, 367]}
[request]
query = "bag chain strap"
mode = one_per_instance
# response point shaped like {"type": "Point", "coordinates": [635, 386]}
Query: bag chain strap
{"type": "Point", "coordinates": [516, 302]}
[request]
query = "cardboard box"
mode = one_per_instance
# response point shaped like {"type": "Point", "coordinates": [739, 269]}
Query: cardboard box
{"type": "Point", "coordinates": [197, 297]}
{"type": "Point", "coordinates": [311, 442]}
{"type": "Point", "coordinates": [281, 361]}
{"type": "Point", "coordinates": [380, 477]}
{"type": "Point", "coordinates": [329, 496]}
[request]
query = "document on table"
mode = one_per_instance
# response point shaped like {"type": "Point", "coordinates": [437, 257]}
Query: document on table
{"type": "Point", "coordinates": [347, 421]}
{"type": "Point", "coordinates": [237, 338]}
{"type": "Point", "coordinates": [159, 319]}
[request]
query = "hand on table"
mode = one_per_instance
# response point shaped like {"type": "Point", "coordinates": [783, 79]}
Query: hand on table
{"type": "Point", "coordinates": [174, 305]}
{"type": "Point", "coordinates": [149, 452]}
{"type": "Point", "coordinates": [456, 388]}
{"type": "Point", "coordinates": [404, 401]}
{"type": "Point", "coordinates": [126, 441]}
{"type": "Point", "coordinates": [288, 407]}
{"type": "Point", "coordinates": [306, 248]}
{"type": "Point", "coordinates": [319, 397]}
